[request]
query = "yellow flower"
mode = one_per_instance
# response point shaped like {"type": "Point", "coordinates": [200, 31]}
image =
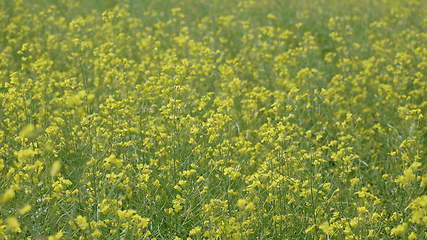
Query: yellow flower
{"type": "Point", "coordinates": [362, 210]}
{"type": "Point", "coordinates": [8, 195]}
{"type": "Point", "coordinates": [419, 210]}
{"type": "Point", "coordinates": [327, 228]}
{"type": "Point", "coordinates": [56, 166]}
{"type": "Point", "coordinates": [241, 203]}
{"type": "Point", "coordinates": [144, 222]}
{"type": "Point", "coordinates": [27, 131]}
{"type": "Point", "coordinates": [25, 209]}
{"type": "Point", "coordinates": [25, 154]}
{"type": "Point", "coordinates": [399, 230]}
{"type": "Point", "coordinates": [423, 180]}
{"type": "Point", "coordinates": [407, 177]}
{"type": "Point", "coordinates": [96, 233]}
{"type": "Point", "coordinates": [412, 236]}
{"type": "Point", "coordinates": [250, 206]}
{"type": "Point", "coordinates": [12, 225]}
{"type": "Point", "coordinates": [82, 222]}
{"type": "Point", "coordinates": [57, 236]}
{"type": "Point", "coordinates": [112, 159]}
{"type": "Point", "coordinates": [195, 231]}
{"type": "Point", "coordinates": [310, 228]}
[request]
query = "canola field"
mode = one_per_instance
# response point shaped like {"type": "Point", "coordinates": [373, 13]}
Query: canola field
{"type": "Point", "coordinates": [213, 119]}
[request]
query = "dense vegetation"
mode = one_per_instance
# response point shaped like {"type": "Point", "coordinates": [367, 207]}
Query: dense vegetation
{"type": "Point", "coordinates": [213, 119]}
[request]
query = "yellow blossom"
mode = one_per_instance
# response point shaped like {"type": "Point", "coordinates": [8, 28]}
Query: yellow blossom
{"type": "Point", "coordinates": [57, 236]}
{"type": "Point", "coordinates": [327, 228]}
{"type": "Point", "coordinates": [8, 195]}
{"type": "Point", "coordinates": [25, 209]}
{"type": "Point", "coordinates": [400, 229]}
{"type": "Point", "coordinates": [81, 222]}
{"type": "Point", "coordinates": [27, 131]}
{"type": "Point", "coordinates": [412, 236]}
{"type": "Point", "coordinates": [195, 231]}
{"type": "Point", "coordinates": [13, 225]}
{"type": "Point", "coordinates": [56, 166]}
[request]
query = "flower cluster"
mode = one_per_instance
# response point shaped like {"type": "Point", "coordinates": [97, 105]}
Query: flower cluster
{"type": "Point", "coordinates": [213, 119]}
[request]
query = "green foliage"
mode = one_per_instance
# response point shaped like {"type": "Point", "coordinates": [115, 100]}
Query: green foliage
{"type": "Point", "coordinates": [213, 119]}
